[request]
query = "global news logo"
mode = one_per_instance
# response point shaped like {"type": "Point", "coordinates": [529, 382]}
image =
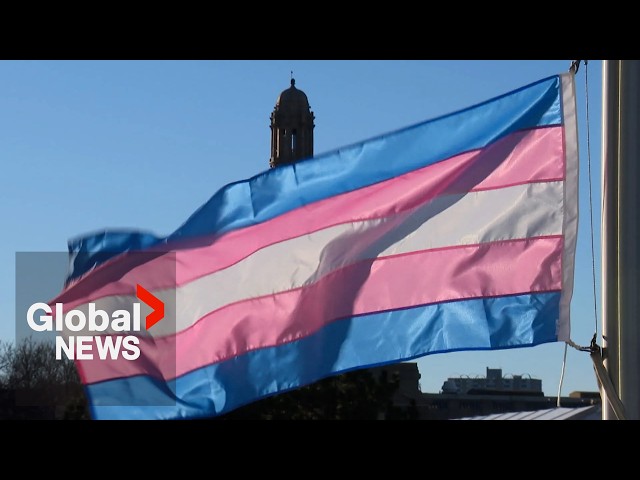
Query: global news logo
{"type": "Point", "coordinates": [113, 336]}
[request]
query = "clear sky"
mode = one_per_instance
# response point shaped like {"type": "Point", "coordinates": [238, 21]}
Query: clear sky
{"type": "Point", "coordinates": [88, 145]}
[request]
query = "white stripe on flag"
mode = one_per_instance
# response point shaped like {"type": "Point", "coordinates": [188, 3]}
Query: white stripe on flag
{"type": "Point", "coordinates": [516, 212]}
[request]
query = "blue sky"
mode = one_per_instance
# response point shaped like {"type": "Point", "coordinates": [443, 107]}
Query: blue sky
{"type": "Point", "coordinates": [87, 145]}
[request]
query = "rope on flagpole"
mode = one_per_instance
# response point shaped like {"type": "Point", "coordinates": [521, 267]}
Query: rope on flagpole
{"type": "Point", "coordinates": [604, 381]}
{"type": "Point", "coordinates": [593, 250]}
{"type": "Point", "coordinates": [564, 364]}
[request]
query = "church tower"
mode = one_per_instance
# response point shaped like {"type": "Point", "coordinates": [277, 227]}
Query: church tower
{"type": "Point", "coordinates": [291, 127]}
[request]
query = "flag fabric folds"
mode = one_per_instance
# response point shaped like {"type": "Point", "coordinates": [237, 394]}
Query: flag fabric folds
{"type": "Point", "coordinates": [457, 233]}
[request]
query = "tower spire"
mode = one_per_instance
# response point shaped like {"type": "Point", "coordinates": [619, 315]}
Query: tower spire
{"type": "Point", "coordinates": [291, 127]}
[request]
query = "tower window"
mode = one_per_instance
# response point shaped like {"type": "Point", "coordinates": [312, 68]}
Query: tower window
{"type": "Point", "coordinates": [294, 134]}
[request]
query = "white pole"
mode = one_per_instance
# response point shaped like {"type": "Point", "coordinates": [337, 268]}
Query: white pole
{"type": "Point", "coordinates": [609, 233]}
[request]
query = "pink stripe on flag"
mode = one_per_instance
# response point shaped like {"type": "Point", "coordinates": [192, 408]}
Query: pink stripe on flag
{"type": "Point", "coordinates": [388, 283]}
{"type": "Point", "coordinates": [523, 157]}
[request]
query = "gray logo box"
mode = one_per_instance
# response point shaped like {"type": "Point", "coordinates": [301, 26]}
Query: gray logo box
{"type": "Point", "coordinates": [46, 381]}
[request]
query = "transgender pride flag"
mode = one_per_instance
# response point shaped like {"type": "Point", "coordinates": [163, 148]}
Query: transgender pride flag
{"type": "Point", "coordinates": [457, 233]}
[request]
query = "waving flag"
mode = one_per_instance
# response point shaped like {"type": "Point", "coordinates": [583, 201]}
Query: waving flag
{"type": "Point", "coordinates": [457, 233]}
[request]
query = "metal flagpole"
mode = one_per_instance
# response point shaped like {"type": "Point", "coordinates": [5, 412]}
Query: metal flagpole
{"type": "Point", "coordinates": [621, 232]}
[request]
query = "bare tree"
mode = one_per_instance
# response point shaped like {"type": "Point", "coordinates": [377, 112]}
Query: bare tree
{"type": "Point", "coordinates": [33, 376]}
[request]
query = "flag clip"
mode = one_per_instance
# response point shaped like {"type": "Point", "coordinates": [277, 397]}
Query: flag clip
{"type": "Point", "coordinates": [575, 66]}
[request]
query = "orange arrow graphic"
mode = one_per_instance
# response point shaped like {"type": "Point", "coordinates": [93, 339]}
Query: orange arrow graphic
{"type": "Point", "coordinates": [154, 302]}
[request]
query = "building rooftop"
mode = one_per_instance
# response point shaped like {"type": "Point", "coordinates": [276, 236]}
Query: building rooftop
{"type": "Point", "coordinates": [591, 412]}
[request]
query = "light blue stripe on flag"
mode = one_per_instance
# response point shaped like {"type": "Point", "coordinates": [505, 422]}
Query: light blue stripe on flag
{"type": "Point", "coordinates": [478, 324]}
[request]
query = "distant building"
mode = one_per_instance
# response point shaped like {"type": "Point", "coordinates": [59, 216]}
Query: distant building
{"type": "Point", "coordinates": [591, 395]}
{"type": "Point", "coordinates": [480, 397]}
{"type": "Point", "coordinates": [494, 382]}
